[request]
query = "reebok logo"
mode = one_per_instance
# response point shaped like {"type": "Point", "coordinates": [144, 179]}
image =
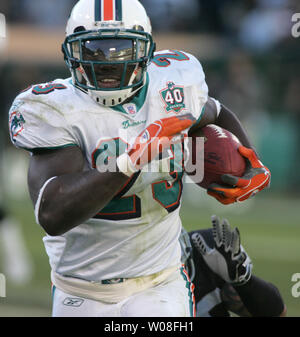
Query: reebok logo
{"type": "Point", "coordinates": [73, 302]}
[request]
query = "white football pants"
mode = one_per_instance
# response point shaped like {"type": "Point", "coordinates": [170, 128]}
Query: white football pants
{"type": "Point", "coordinates": [172, 298]}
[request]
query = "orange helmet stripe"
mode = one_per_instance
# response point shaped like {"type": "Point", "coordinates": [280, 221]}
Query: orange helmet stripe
{"type": "Point", "coordinates": [108, 10]}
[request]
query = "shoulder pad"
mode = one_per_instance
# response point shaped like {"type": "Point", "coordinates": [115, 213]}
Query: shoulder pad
{"type": "Point", "coordinates": [35, 120]}
{"type": "Point", "coordinates": [43, 90]}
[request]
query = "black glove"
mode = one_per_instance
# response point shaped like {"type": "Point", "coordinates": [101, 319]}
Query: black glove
{"type": "Point", "coordinates": [227, 258]}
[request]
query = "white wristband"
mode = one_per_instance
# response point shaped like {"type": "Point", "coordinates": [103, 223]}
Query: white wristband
{"type": "Point", "coordinates": [39, 199]}
{"type": "Point", "coordinates": [125, 165]}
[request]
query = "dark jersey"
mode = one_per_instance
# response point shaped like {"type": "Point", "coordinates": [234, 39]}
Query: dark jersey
{"type": "Point", "coordinates": [208, 285]}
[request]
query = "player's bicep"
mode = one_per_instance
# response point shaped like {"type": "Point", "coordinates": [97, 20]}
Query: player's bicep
{"type": "Point", "coordinates": [46, 164]}
{"type": "Point", "coordinates": [211, 112]}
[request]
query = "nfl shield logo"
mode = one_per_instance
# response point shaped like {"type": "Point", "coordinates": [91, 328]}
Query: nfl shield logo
{"type": "Point", "coordinates": [130, 108]}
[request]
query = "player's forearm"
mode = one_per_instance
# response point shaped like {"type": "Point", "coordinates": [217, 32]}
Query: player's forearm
{"type": "Point", "coordinates": [261, 298]}
{"type": "Point", "coordinates": [229, 121]}
{"type": "Point", "coordinates": [71, 199]}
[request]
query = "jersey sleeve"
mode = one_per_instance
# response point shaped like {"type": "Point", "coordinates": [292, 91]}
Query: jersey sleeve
{"type": "Point", "coordinates": [180, 80]}
{"type": "Point", "coordinates": [34, 124]}
{"type": "Point", "coordinates": [186, 90]}
{"type": "Point", "coordinates": [199, 88]}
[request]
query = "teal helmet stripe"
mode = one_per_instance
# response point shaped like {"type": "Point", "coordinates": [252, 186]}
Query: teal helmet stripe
{"type": "Point", "coordinates": [118, 11]}
{"type": "Point", "coordinates": [98, 10]}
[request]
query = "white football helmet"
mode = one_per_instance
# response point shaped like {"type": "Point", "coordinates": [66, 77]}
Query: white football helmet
{"type": "Point", "coordinates": [108, 47]}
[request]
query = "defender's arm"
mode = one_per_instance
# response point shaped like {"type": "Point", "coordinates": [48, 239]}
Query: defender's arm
{"type": "Point", "coordinates": [243, 293]}
{"type": "Point", "coordinates": [257, 298]}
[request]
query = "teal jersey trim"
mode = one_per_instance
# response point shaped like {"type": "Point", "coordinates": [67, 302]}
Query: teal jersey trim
{"type": "Point", "coordinates": [53, 291]}
{"type": "Point", "coordinates": [139, 99]}
{"type": "Point", "coordinates": [189, 285]}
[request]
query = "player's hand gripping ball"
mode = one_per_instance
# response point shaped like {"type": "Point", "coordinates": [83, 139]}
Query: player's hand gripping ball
{"type": "Point", "coordinates": [232, 172]}
{"type": "Point", "coordinates": [237, 189]}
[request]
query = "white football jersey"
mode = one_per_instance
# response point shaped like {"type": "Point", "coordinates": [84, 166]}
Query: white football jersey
{"type": "Point", "coordinates": [137, 233]}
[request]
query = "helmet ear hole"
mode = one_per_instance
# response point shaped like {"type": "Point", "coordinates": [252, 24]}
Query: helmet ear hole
{"type": "Point", "coordinates": [138, 27]}
{"type": "Point", "coordinates": [79, 29]}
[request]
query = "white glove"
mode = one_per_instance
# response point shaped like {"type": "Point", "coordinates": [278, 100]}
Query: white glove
{"type": "Point", "coordinates": [228, 258]}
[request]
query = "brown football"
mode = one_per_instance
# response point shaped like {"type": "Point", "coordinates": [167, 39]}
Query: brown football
{"type": "Point", "coordinates": [221, 154]}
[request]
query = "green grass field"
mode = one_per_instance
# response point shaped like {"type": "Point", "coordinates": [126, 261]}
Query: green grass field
{"type": "Point", "coordinates": [270, 231]}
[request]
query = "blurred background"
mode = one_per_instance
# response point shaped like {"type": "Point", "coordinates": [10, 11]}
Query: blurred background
{"type": "Point", "coordinates": [251, 61]}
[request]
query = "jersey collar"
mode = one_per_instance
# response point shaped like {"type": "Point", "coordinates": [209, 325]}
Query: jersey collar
{"type": "Point", "coordinates": [138, 100]}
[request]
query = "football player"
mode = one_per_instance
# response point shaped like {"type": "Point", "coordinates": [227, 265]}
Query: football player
{"type": "Point", "coordinates": [221, 272]}
{"type": "Point", "coordinates": [112, 224]}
